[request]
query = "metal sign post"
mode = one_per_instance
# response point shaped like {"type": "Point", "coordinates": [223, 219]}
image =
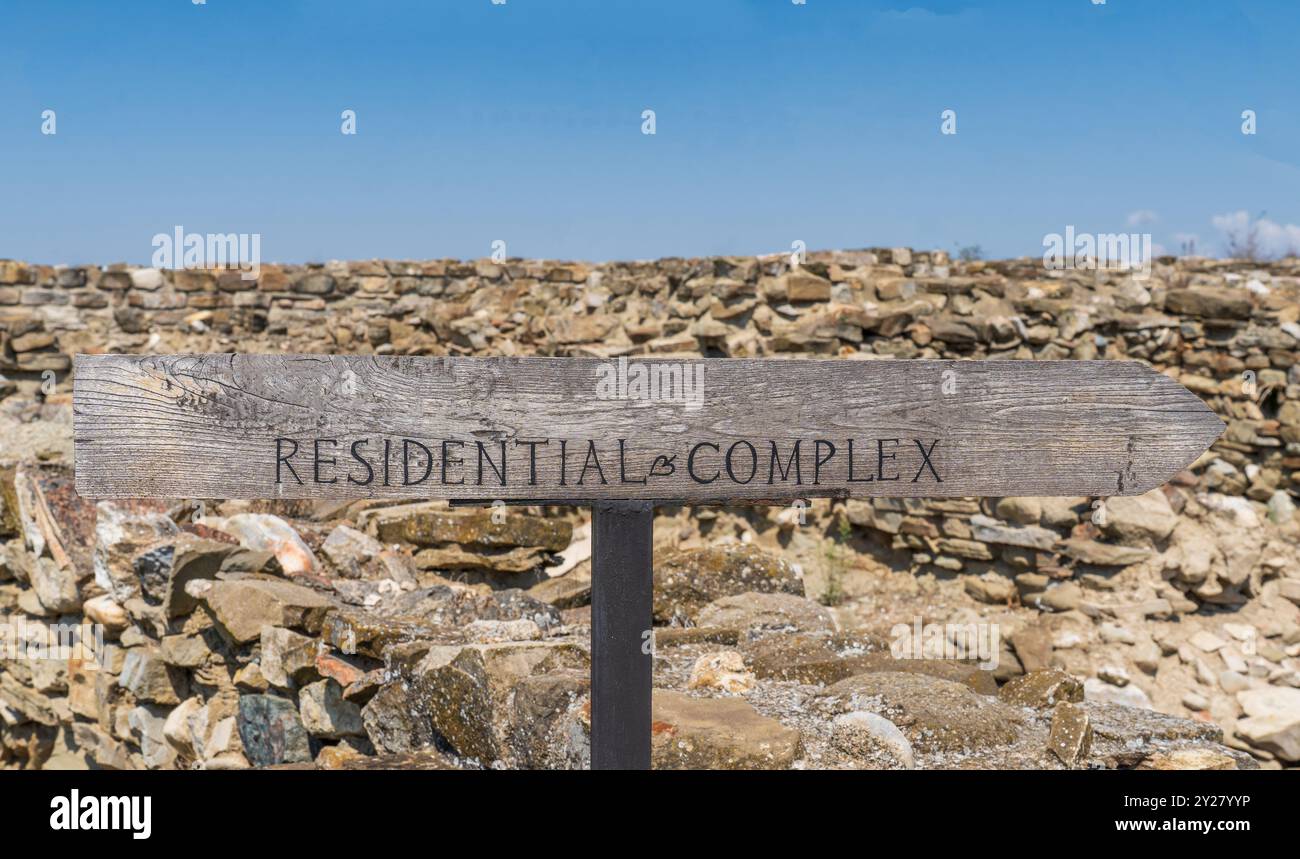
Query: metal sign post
{"type": "Point", "coordinates": [622, 653]}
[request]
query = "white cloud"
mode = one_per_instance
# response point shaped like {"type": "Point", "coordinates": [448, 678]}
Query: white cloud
{"type": "Point", "coordinates": [1142, 217]}
{"type": "Point", "coordinates": [1271, 238]}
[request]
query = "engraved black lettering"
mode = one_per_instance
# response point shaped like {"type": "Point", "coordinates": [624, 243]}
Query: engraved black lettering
{"type": "Point", "coordinates": [483, 454]}
{"type": "Point", "coordinates": [925, 460]}
{"type": "Point", "coordinates": [852, 479]}
{"type": "Point", "coordinates": [774, 466]}
{"type": "Point", "coordinates": [370, 471]}
{"type": "Point", "coordinates": [753, 462]}
{"type": "Point", "coordinates": [881, 456]}
{"type": "Point", "coordinates": [592, 458]}
{"type": "Point", "coordinates": [622, 464]}
{"type": "Point", "coordinates": [690, 462]}
{"type": "Point", "coordinates": [406, 462]}
{"type": "Point", "coordinates": [820, 460]}
{"type": "Point", "coordinates": [317, 461]}
{"type": "Point", "coordinates": [532, 459]}
{"type": "Point", "coordinates": [447, 460]}
{"type": "Point", "coordinates": [279, 458]}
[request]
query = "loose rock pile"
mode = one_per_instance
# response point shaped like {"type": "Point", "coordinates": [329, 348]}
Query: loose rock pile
{"type": "Point", "coordinates": [1160, 631]}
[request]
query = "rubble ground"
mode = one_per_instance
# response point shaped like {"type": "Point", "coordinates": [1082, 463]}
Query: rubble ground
{"type": "Point", "coordinates": [1160, 631]}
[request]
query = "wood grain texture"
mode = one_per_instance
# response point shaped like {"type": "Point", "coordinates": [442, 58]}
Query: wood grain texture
{"type": "Point", "coordinates": [268, 426]}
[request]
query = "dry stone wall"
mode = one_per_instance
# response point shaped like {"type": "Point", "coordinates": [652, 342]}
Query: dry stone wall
{"type": "Point", "coordinates": [293, 634]}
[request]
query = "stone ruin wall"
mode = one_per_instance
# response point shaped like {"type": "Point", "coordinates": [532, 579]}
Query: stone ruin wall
{"type": "Point", "coordinates": [1220, 537]}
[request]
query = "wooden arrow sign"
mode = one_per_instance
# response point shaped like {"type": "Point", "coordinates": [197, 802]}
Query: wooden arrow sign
{"type": "Point", "coordinates": [582, 430]}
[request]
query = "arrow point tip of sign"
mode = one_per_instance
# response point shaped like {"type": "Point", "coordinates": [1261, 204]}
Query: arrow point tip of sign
{"type": "Point", "coordinates": [1197, 428]}
{"type": "Point", "coordinates": [1207, 423]}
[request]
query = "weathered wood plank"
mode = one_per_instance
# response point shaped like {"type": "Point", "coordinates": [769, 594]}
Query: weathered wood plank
{"type": "Point", "coordinates": [298, 426]}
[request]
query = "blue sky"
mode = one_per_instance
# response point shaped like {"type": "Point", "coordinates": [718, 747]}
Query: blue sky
{"type": "Point", "coordinates": [775, 122]}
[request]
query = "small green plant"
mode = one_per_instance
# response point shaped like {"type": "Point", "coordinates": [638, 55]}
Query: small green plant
{"type": "Point", "coordinates": [835, 563]}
